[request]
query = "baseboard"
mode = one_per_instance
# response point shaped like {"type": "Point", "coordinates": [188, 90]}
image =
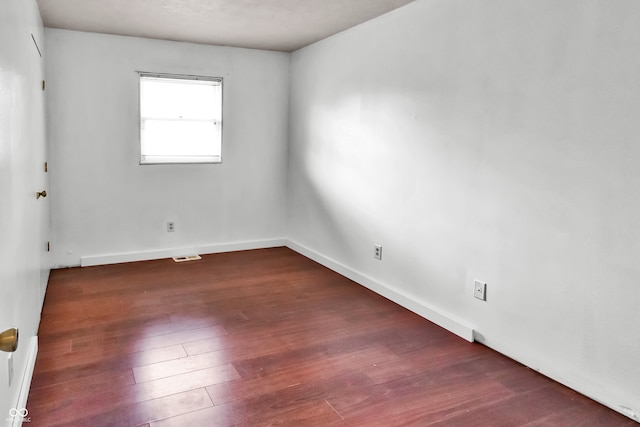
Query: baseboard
{"type": "Point", "coordinates": [26, 382]}
{"type": "Point", "coordinates": [118, 258]}
{"type": "Point", "coordinates": [550, 371]}
{"type": "Point", "coordinates": [421, 308]}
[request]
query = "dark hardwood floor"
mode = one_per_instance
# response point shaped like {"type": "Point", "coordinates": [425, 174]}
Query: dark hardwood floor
{"type": "Point", "coordinates": [268, 337]}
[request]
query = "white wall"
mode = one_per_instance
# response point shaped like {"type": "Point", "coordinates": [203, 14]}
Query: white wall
{"type": "Point", "coordinates": [104, 202]}
{"type": "Point", "coordinates": [23, 219]}
{"type": "Point", "coordinates": [495, 140]}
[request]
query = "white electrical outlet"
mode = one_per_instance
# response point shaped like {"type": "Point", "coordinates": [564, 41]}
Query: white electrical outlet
{"type": "Point", "coordinates": [377, 252]}
{"type": "Point", "coordinates": [171, 226]}
{"type": "Point", "coordinates": [480, 290]}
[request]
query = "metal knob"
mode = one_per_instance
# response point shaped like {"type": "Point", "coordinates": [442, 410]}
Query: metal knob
{"type": "Point", "coordinates": [9, 340]}
{"type": "Point", "coordinates": [42, 193]}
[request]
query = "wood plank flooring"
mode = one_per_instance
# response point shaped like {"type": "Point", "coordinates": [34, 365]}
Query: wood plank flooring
{"type": "Point", "coordinates": [268, 337]}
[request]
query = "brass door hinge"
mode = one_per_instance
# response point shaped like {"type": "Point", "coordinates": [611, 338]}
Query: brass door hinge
{"type": "Point", "coordinates": [46, 166]}
{"type": "Point", "coordinates": [43, 85]}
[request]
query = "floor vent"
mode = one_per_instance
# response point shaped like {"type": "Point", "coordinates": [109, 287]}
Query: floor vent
{"type": "Point", "coordinates": [186, 258]}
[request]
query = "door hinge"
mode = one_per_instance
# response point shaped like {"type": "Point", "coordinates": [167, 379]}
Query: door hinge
{"type": "Point", "coordinates": [43, 85]}
{"type": "Point", "coordinates": [48, 246]}
{"type": "Point", "coordinates": [46, 166]}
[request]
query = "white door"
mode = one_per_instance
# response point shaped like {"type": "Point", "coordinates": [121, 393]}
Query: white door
{"type": "Point", "coordinates": [23, 217]}
{"type": "Point", "coordinates": [40, 169]}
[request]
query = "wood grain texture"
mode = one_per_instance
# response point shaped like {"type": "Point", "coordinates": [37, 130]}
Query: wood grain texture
{"type": "Point", "coordinates": [268, 337]}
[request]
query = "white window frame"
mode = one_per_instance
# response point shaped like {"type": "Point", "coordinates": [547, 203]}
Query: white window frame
{"type": "Point", "coordinates": [163, 160]}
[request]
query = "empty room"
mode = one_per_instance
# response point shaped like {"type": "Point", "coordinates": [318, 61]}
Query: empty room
{"type": "Point", "coordinates": [319, 212]}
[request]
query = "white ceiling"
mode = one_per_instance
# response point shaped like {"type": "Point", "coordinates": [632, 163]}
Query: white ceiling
{"type": "Point", "coordinates": [284, 25]}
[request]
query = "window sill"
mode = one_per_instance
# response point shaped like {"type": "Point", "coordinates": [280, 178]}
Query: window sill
{"type": "Point", "coordinates": [179, 160]}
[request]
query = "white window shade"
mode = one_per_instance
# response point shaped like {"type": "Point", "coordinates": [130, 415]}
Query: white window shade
{"type": "Point", "coordinates": [180, 119]}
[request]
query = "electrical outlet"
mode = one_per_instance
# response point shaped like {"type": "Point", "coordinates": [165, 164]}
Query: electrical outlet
{"type": "Point", "coordinates": [171, 226]}
{"type": "Point", "coordinates": [377, 252]}
{"type": "Point", "coordinates": [480, 290]}
{"type": "Point", "coordinates": [10, 361]}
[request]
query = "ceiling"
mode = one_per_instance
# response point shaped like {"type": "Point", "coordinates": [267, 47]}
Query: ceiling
{"type": "Point", "coordinates": [282, 25]}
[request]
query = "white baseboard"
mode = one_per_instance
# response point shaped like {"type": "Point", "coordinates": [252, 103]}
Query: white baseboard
{"type": "Point", "coordinates": [118, 258]}
{"type": "Point", "coordinates": [421, 308]}
{"type": "Point", "coordinates": [25, 386]}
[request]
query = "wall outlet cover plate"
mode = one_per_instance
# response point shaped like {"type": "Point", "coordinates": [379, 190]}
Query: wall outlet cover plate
{"type": "Point", "coordinates": [480, 290]}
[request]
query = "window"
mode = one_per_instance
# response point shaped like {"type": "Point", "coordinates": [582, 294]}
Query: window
{"type": "Point", "coordinates": [180, 119]}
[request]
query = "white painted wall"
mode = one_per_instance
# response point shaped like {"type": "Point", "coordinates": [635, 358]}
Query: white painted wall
{"type": "Point", "coordinates": [495, 140]}
{"type": "Point", "coordinates": [104, 202]}
{"type": "Point", "coordinates": [23, 219]}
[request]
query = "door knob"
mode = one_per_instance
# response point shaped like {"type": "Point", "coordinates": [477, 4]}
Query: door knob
{"type": "Point", "coordinates": [9, 340]}
{"type": "Point", "coordinates": [42, 193]}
